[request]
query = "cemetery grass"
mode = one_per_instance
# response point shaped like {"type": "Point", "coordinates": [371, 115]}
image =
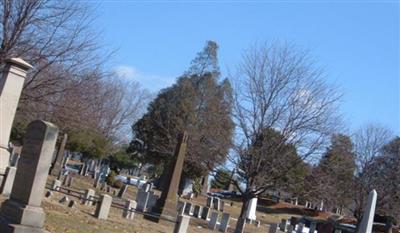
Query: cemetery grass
{"type": "Point", "coordinates": [60, 218]}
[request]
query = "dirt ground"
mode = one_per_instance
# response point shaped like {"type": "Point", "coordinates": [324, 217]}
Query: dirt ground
{"type": "Point", "coordinates": [62, 219]}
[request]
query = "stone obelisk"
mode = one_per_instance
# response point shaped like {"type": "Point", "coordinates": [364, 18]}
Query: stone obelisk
{"type": "Point", "coordinates": [11, 83]}
{"type": "Point", "coordinates": [167, 204]}
{"type": "Point", "coordinates": [58, 162]}
{"type": "Point", "coordinates": [368, 214]}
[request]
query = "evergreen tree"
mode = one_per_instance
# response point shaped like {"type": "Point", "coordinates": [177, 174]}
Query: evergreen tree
{"type": "Point", "coordinates": [198, 103]}
{"type": "Point", "coordinates": [332, 179]}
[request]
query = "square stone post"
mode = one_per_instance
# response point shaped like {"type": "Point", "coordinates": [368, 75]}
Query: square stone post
{"type": "Point", "coordinates": [166, 205]}
{"type": "Point", "coordinates": [11, 83]}
{"type": "Point", "coordinates": [23, 211]}
{"type": "Point", "coordinates": [182, 224]}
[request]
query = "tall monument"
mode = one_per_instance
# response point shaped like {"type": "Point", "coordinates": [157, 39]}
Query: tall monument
{"type": "Point", "coordinates": [11, 83]}
{"type": "Point", "coordinates": [167, 204]}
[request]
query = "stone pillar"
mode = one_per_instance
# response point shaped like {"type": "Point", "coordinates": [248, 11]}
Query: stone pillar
{"type": "Point", "coordinates": [11, 83]}
{"type": "Point", "coordinates": [182, 224]}
{"type": "Point", "coordinates": [368, 214]}
{"type": "Point", "coordinates": [103, 207]}
{"type": "Point", "coordinates": [22, 212]}
{"type": "Point", "coordinates": [166, 205]}
{"type": "Point", "coordinates": [8, 181]}
{"type": "Point", "coordinates": [58, 162]}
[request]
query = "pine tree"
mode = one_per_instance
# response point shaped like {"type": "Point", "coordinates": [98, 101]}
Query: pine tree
{"type": "Point", "coordinates": [332, 179]}
{"type": "Point", "coordinates": [198, 103]}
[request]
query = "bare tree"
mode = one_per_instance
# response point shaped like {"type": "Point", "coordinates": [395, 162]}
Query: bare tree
{"type": "Point", "coordinates": [277, 87]}
{"type": "Point", "coordinates": [368, 142]}
{"type": "Point", "coordinates": [55, 36]}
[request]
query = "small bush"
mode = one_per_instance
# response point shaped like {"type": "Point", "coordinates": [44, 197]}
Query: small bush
{"type": "Point", "coordinates": [111, 178]}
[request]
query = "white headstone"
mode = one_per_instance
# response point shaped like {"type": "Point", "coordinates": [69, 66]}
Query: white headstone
{"type": "Point", "coordinates": [251, 210]}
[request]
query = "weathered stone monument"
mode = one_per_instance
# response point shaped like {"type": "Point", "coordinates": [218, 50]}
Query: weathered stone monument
{"type": "Point", "coordinates": [368, 214]}
{"type": "Point", "coordinates": [167, 203]}
{"type": "Point", "coordinates": [58, 162]}
{"type": "Point", "coordinates": [103, 207]}
{"type": "Point", "coordinates": [224, 222]}
{"type": "Point", "coordinates": [8, 182]}
{"type": "Point", "coordinates": [11, 83]}
{"type": "Point", "coordinates": [22, 212]}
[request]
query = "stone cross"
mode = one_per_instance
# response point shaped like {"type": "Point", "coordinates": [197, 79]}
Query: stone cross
{"type": "Point", "coordinates": [22, 212]}
{"type": "Point", "coordinates": [57, 165]}
{"type": "Point", "coordinates": [368, 214]}
{"type": "Point", "coordinates": [11, 83]}
{"type": "Point", "coordinates": [167, 203]}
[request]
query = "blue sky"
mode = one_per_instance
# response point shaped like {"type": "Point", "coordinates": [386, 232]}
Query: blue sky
{"type": "Point", "coordinates": [356, 43]}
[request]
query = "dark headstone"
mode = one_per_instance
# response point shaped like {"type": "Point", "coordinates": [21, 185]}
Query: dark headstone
{"type": "Point", "coordinates": [30, 181]}
{"type": "Point", "coordinates": [57, 165]}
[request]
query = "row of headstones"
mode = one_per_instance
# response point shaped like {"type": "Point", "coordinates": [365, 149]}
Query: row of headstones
{"type": "Point", "coordinates": [197, 211]}
{"type": "Point", "coordinates": [286, 226]}
{"type": "Point", "coordinates": [314, 206]}
{"type": "Point", "coordinates": [104, 203]}
{"type": "Point", "coordinates": [215, 203]}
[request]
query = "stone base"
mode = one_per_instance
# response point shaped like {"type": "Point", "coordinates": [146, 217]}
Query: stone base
{"type": "Point", "coordinates": [14, 228]}
{"type": "Point", "coordinates": [13, 212]}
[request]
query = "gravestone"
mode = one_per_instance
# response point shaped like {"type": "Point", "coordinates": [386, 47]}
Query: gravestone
{"type": "Point", "coordinates": [22, 212]}
{"type": "Point", "coordinates": [188, 208]}
{"type": "Point", "coordinates": [182, 224]}
{"type": "Point", "coordinates": [283, 225]}
{"type": "Point", "coordinates": [290, 229]}
{"type": "Point", "coordinates": [205, 213]}
{"type": "Point", "coordinates": [56, 185]}
{"type": "Point", "coordinates": [15, 154]}
{"type": "Point", "coordinates": [89, 194]}
{"type": "Point", "coordinates": [11, 83]}
{"type": "Point", "coordinates": [368, 213]}
{"type": "Point", "coordinates": [337, 231]}
{"type": "Point", "coordinates": [167, 203]}
{"type": "Point", "coordinates": [204, 185]}
{"type": "Point", "coordinates": [71, 204]}
{"type": "Point", "coordinates": [122, 191]}
{"type": "Point", "coordinates": [8, 182]}
{"type": "Point", "coordinates": [57, 165]}
{"type": "Point", "coordinates": [240, 225]}
{"type": "Point", "coordinates": [222, 206]}
{"type": "Point", "coordinates": [273, 228]}
{"type": "Point", "coordinates": [142, 198]}
{"type": "Point", "coordinates": [128, 212]}
{"type": "Point", "coordinates": [216, 203]}
{"type": "Point", "coordinates": [212, 224]}
{"type": "Point", "coordinates": [181, 207]}
{"type": "Point", "coordinates": [224, 222]}
{"type": "Point", "coordinates": [197, 211]}
{"type": "Point", "coordinates": [251, 209]}
{"type": "Point", "coordinates": [313, 227]}
{"type": "Point", "coordinates": [96, 181]}
{"type": "Point", "coordinates": [64, 199]}
{"type": "Point", "coordinates": [300, 228]}
{"type": "Point", "coordinates": [103, 207]}
{"type": "Point", "coordinates": [210, 202]}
